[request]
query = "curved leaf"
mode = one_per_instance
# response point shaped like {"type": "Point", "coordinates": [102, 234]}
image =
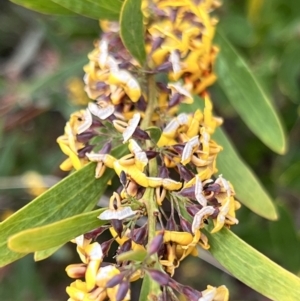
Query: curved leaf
{"type": "Point", "coordinates": [248, 98]}
{"type": "Point", "coordinates": [247, 186]}
{"type": "Point", "coordinates": [45, 7]}
{"type": "Point", "coordinates": [76, 193]}
{"type": "Point", "coordinates": [55, 234]}
{"type": "Point", "coordinates": [92, 9]}
{"type": "Point", "coordinates": [132, 29]}
{"type": "Point", "coordinates": [253, 268]}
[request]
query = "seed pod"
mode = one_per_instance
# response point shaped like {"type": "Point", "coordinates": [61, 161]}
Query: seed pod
{"type": "Point", "coordinates": [118, 226]}
{"type": "Point", "coordinates": [106, 246]}
{"type": "Point", "coordinates": [81, 152]}
{"type": "Point", "coordinates": [159, 276]}
{"type": "Point", "coordinates": [185, 173]}
{"type": "Point", "coordinates": [156, 243]}
{"type": "Point", "coordinates": [122, 291]}
{"type": "Point", "coordinates": [85, 136]}
{"type": "Point", "coordinates": [117, 279]}
{"type": "Point", "coordinates": [185, 225]}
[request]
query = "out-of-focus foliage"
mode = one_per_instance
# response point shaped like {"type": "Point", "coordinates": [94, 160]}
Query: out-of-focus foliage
{"type": "Point", "coordinates": [39, 57]}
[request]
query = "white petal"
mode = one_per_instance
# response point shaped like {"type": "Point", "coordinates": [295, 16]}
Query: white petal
{"type": "Point", "coordinates": [175, 61]}
{"type": "Point", "coordinates": [79, 240]}
{"type": "Point", "coordinates": [94, 157]}
{"type": "Point", "coordinates": [208, 210]}
{"type": "Point", "coordinates": [120, 214]}
{"type": "Point", "coordinates": [208, 295]}
{"type": "Point", "coordinates": [132, 125]}
{"type": "Point", "coordinates": [96, 252]}
{"type": "Point", "coordinates": [183, 118]}
{"type": "Point", "coordinates": [103, 47]}
{"type": "Point", "coordinates": [86, 123]}
{"type": "Point", "coordinates": [188, 149]}
{"type": "Point", "coordinates": [173, 125]}
{"type": "Point", "coordinates": [101, 113]}
{"type": "Point", "coordinates": [198, 192]}
{"type": "Point", "coordinates": [181, 90]}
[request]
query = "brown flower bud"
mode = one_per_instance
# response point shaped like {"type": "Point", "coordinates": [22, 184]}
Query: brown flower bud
{"type": "Point", "coordinates": [175, 100]}
{"type": "Point", "coordinates": [140, 134]}
{"type": "Point", "coordinates": [185, 225]}
{"type": "Point", "coordinates": [118, 226]}
{"type": "Point", "coordinates": [192, 210]}
{"type": "Point", "coordinates": [117, 279]}
{"type": "Point", "coordinates": [85, 136]}
{"type": "Point", "coordinates": [151, 154]}
{"type": "Point", "coordinates": [185, 173]}
{"type": "Point", "coordinates": [127, 245]}
{"type": "Point", "coordinates": [95, 233]}
{"type": "Point", "coordinates": [178, 148]}
{"type": "Point", "coordinates": [188, 192]}
{"type": "Point", "coordinates": [106, 246]}
{"type": "Point", "coordinates": [139, 235]}
{"type": "Point", "coordinates": [190, 293]}
{"type": "Point", "coordinates": [171, 224]}
{"type": "Point", "coordinates": [163, 172]}
{"type": "Point", "coordinates": [106, 148]}
{"type": "Point", "coordinates": [122, 291]}
{"type": "Point", "coordinates": [123, 178]}
{"type": "Point", "coordinates": [81, 152]}
{"type": "Point", "coordinates": [159, 276]}
{"type": "Point", "coordinates": [156, 243]}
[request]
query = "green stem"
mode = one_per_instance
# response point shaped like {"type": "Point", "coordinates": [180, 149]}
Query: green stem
{"type": "Point", "coordinates": [149, 197]}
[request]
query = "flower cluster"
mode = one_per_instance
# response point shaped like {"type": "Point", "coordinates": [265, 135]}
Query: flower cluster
{"type": "Point", "coordinates": [166, 163]}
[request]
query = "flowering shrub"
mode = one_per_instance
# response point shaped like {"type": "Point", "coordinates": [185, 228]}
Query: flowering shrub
{"type": "Point", "coordinates": [169, 200]}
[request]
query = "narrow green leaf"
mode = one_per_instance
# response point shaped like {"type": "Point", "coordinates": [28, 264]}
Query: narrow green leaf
{"type": "Point", "coordinates": [289, 71]}
{"type": "Point", "coordinates": [135, 255]}
{"type": "Point", "coordinates": [75, 194]}
{"type": "Point", "coordinates": [253, 268]}
{"type": "Point", "coordinates": [92, 9]}
{"type": "Point", "coordinates": [55, 234]}
{"type": "Point", "coordinates": [41, 255]}
{"type": "Point", "coordinates": [247, 186]}
{"type": "Point", "coordinates": [113, 5]}
{"type": "Point", "coordinates": [285, 240]}
{"type": "Point", "coordinates": [132, 29]}
{"type": "Point", "coordinates": [248, 98]}
{"type": "Point", "coordinates": [45, 7]}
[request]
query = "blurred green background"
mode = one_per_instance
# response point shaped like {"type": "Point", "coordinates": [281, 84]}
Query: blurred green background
{"type": "Point", "coordinates": [41, 59]}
